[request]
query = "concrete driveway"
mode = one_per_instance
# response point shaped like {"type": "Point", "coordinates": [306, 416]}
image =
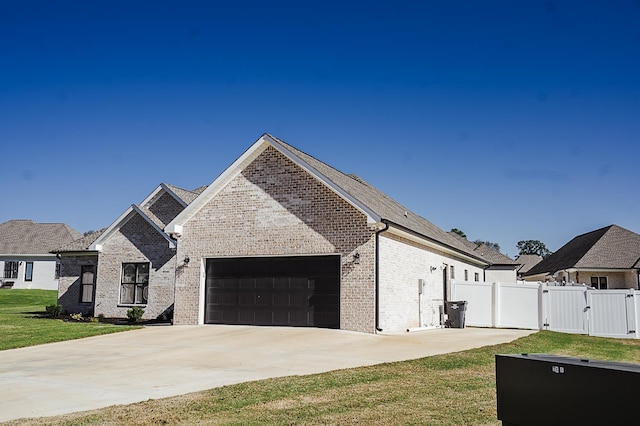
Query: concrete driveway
{"type": "Point", "coordinates": [161, 361]}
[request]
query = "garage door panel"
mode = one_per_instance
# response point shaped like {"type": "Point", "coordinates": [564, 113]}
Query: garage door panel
{"type": "Point", "coordinates": [263, 299]}
{"type": "Point", "coordinates": [264, 282]}
{"type": "Point", "coordinates": [245, 316]}
{"type": "Point", "coordinates": [301, 291]}
{"type": "Point", "coordinates": [246, 299]}
{"type": "Point", "coordinates": [299, 283]}
{"type": "Point", "coordinates": [281, 299]}
{"type": "Point", "coordinates": [281, 283]}
{"type": "Point", "coordinates": [247, 283]}
{"type": "Point", "coordinates": [300, 318]}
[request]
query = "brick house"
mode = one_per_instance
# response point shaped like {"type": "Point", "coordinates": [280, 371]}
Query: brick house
{"type": "Point", "coordinates": [282, 238]}
{"type": "Point", "coordinates": [279, 238]}
{"type": "Point", "coordinates": [130, 263]}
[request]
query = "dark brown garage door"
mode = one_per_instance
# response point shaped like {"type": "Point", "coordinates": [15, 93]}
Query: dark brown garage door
{"type": "Point", "coordinates": [295, 291]}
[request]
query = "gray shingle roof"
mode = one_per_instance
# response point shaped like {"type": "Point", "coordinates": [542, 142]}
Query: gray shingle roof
{"type": "Point", "coordinates": [81, 244]}
{"type": "Point", "coordinates": [184, 194]}
{"type": "Point", "coordinates": [611, 247]}
{"type": "Point", "coordinates": [527, 261]}
{"type": "Point", "coordinates": [29, 237]}
{"type": "Point", "coordinates": [485, 252]}
{"type": "Point", "coordinates": [380, 203]}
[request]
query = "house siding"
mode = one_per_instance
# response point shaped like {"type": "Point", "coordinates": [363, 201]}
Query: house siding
{"type": "Point", "coordinates": [506, 274]}
{"type": "Point", "coordinates": [275, 208]}
{"type": "Point", "coordinates": [44, 269]}
{"type": "Point", "coordinates": [69, 283]}
{"type": "Point", "coordinates": [402, 264]}
{"type": "Point", "coordinates": [135, 241]}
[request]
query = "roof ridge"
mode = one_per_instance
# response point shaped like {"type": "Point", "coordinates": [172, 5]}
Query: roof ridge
{"type": "Point", "coordinates": [394, 211]}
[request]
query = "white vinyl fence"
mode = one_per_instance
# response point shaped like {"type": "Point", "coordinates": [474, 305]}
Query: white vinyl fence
{"type": "Point", "coordinates": [542, 306]}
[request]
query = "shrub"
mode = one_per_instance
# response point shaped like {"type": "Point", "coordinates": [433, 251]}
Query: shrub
{"type": "Point", "coordinates": [94, 319]}
{"type": "Point", "coordinates": [53, 311]}
{"type": "Point", "coordinates": [77, 317]}
{"type": "Point", "coordinates": [135, 314]}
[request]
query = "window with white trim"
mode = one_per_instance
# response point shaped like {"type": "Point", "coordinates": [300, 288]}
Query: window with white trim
{"type": "Point", "coordinates": [11, 269]}
{"type": "Point", "coordinates": [476, 276]}
{"type": "Point", "coordinates": [87, 283]}
{"type": "Point", "coordinates": [134, 287]}
{"type": "Point", "coordinates": [28, 271]}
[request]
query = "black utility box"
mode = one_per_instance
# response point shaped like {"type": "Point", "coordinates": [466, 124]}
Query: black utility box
{"type": "Point", "coordinates": [540, 389]}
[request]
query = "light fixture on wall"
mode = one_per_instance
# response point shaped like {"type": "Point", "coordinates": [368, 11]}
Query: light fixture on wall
{"type": "Point", "coordinates": [356, 258]}
{"type": "Point", "coordinates": [186, 260]}
{"type": "Point", "coordinates": [432, 268]}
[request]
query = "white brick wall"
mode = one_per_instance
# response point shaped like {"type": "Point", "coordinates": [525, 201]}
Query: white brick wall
{"type": "Point", "coordinates": [402, 264]}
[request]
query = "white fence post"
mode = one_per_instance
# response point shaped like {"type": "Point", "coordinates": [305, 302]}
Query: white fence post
{"type": "Point", "coordinates": [495, 289]}
{"type": "Point", "coordinates": [636, 311]}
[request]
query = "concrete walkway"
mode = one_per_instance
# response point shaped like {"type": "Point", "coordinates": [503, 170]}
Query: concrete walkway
{"type": "Point", "coordinates": [161, 361]}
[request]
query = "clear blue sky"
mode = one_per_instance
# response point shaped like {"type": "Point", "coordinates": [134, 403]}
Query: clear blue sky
{"type": "Point", "coordinates": [510, 120]}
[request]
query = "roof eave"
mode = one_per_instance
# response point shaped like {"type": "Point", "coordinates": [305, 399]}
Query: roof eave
{"type": "Point", "coordinates": [430, 242]}
{"type": "Point", "coordinates": [124, 217]}
{"type": "Point", "coordinates": [175, 226]}
{"type": "Point", "coordinates": [372, 217]}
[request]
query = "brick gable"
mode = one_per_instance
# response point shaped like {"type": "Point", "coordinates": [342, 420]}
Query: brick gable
{"type": "Point", "coordinates": [273, 208]}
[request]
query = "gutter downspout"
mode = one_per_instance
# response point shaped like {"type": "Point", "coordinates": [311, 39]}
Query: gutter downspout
{"type": "Point", "coordinates": [377, 313]}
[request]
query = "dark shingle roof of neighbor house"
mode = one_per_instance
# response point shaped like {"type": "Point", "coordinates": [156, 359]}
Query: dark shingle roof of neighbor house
{"type": "Point", "coordinates": [527, 261]}
{"type": "Point", "coordinates": [380, 203]}
{"type": "Point", "coordinates": [483, 250]}
{"type": "Point", "coordinates": [28, 237]}
{"type": "Point", "coordinates": [611, 247]}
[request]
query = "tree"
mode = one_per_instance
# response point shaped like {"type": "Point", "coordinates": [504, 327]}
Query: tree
{"type": "Point", "coordinates": [459, 232]}
{"type": "Point", "coordinates": [533, 247]}
{"type": "Point", "coordinates": [491, 245]}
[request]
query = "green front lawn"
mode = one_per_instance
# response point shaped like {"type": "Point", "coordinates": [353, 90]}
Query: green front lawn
{"type": "Point", "coordinates": [23, 322]}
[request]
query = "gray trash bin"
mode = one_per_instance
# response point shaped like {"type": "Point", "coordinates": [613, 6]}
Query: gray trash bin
{"type": "Point", "coordinates": [455, 314]}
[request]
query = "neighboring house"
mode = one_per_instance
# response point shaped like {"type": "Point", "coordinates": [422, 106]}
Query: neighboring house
{"type": "Point", "coordinates": [279, 238]}
{"type": "Point", "coordinates": [606, 258]}
{"type": "Point", "coordinates": [526, 262]}
{"type": "Point", "coordinates": [130, 263]}
{"type": "Point", "coordinates": [25, 258]}
{"type": "Point", "coordinates": [501, 268]}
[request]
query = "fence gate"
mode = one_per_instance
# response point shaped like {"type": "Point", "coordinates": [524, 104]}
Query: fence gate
{"type": "Point", "coordinates": [565, 309]}
{"type": "Point", "coordinates": [612, 313]}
